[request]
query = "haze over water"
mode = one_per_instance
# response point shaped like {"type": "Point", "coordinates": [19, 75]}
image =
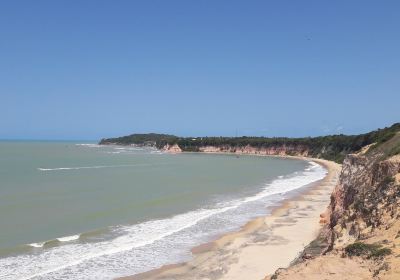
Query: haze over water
{"type": "Point", "coordinates": [97, 212]}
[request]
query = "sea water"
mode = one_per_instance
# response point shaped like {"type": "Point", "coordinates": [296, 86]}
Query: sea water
{"type": "Point", "coordinates": [83, 211]}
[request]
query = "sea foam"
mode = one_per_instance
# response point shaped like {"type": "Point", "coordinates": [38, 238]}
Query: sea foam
{"type": "Point", "coordinates": [68, 238]}
{"type": "Point", "coordinates": [94, 167]}
{"type": "Point", "coordinates": [37, 245]}
{"type": "Point", "coordinates": [133, 247]}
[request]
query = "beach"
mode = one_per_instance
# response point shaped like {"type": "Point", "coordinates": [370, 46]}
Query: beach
{"type": "Point", "coordinates": [263, 244]}
{"type": "Point", "coordinates": [160, 205]}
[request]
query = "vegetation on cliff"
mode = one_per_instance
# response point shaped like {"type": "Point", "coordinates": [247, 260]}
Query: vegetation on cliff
{"type": "Point", "coordinates": [332, 147]}
{"type": "Point", "coordinates": [367, 195]}
{"type": "Point", "coordinates": [362, 232]}
{"type": "Point", "coordinates": [367, 250]}
{"type": "Point", "coordinates": [149, 139]}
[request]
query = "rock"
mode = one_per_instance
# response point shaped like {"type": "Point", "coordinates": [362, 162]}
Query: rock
{"type": "Point", "coordinates": [172, 148]}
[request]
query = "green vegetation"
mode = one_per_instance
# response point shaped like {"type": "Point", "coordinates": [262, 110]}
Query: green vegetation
{"type": "Point", "coordinates": [390, 148]}
{"type": "Point", "coordinates": [150, 139]}
{"type": "Point", "coordinates": [367, 250]}
{"type": "Point", "coordinates": [394, 151]}
{"type": "Point", "coordinates": [332, 147]}
{"type": "Point", "coordinates": [388, 180]}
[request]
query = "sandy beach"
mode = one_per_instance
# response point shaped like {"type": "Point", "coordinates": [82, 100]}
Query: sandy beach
{"type": "Point", "coordinates": [262, 245]}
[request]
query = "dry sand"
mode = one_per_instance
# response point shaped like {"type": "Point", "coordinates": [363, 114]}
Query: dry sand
{"type": "Point", "coordinates": [262, 245]}
{"type": "Point", "coordinates": [333, 266]}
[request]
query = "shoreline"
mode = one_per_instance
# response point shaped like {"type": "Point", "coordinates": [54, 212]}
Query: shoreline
{"type": "Point", "coordinates": [263, 244]}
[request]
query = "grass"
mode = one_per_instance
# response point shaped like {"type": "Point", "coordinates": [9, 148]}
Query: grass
{"type": "Point", "coordinates": [394, 151]}
{"type": "Point", "coordinates": [374, 251]}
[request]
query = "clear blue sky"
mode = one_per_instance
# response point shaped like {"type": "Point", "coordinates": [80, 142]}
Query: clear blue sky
{"type": "Point", "coordinates": [92, 69]}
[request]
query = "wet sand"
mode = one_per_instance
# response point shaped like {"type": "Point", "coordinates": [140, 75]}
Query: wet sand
{"type": "Point", "coordinates": [263, 244]}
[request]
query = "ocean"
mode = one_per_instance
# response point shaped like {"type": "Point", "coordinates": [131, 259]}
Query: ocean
{"type": "Point", "coordinates": [83, 211]}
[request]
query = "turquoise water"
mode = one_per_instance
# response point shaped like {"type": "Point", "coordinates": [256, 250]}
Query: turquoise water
{"type": "Point", "coordinates": [69, 209]}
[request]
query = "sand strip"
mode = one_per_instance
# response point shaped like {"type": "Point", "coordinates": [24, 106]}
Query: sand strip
{"type": "Point", "coordinates": [262, 245]}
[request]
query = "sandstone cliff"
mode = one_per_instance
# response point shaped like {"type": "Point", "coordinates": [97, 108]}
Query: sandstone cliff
{"type": "Point", "coordinates": [330, 147]}
{"type": "Point", "coordinates": [278, 150]}
{"type": "Point", "coordinates": [172, 148]}
{"type": "Point", "coordinates": [293, 150]}
{"type": "Point", "coordinates": [361, 238]}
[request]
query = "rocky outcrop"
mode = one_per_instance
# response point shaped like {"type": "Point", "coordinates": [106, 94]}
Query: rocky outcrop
{"type": "Point", "coordinates": [172, 148]}
{"type": "Point", "coordinates": [366, 198]}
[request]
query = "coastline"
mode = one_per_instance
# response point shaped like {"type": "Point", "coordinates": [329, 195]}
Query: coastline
{"type": "Point", "coordinates": [262, 245]}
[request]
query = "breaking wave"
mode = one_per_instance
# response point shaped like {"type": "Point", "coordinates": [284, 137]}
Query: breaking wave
{"type": "Point", "coordinates": [132, 248]}
{"type": "Point", "coordinates": [93, 167]}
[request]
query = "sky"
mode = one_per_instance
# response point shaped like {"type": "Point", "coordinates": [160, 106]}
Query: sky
{"type": "Point", "coordinates": [94, 69]}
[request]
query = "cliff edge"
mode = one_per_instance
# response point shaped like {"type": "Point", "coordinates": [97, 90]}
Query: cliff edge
{"type": "Point", "coordinates": [331, 147]}
{"type": "Point", "coordinates": [361, 236]}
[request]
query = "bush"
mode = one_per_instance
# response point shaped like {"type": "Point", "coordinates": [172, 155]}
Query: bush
{"type": "Point", "coordinates": [388, 180]}
{"type": "Point", "coordinates": [381, 253]}
{"type": "Point", "coordinates": [394, 151]}
{"type": "Point", "coordinates": [367, 250]}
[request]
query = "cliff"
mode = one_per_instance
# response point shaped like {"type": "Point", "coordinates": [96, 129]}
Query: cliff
{"type": "Point", "coordinates": [361, 236]}
{"type": "Point", "coordinates": [172, 148]}
{"type": "Point", "coordinates": [295, 150]}
{"type": "Point", "coordinates": [332, 147]}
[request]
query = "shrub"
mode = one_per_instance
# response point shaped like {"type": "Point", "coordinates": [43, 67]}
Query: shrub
{"type": "Point", "coordinates": [367, 250]}
{"type": "Point", "coordinates": [388, 180]}
{"type": "Point", "coordinates": [381, 253]}
{"type": "Point", "coordinates": [394, 151]}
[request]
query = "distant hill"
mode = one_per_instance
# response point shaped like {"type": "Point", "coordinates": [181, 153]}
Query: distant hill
{"type": "Point", "coordinates": [149, 139]}
{"type": "Point", "coordinates": [332, 147]}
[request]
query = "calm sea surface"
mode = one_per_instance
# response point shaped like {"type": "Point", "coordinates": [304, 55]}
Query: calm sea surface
{"type": "Point", "coordinates": [83, 211]}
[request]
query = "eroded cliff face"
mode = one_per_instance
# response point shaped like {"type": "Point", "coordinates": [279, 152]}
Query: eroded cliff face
{"type": "Point", "coordinates": [281, 150]}
{"type": "Point", "coordinates": [364, 211]}
{"type": "Point", "coordinates": [278, 150]}
{"type": "Point", "coordinates": [366, 198]}
{"type": "Point", "coordinates": [172, 148]}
